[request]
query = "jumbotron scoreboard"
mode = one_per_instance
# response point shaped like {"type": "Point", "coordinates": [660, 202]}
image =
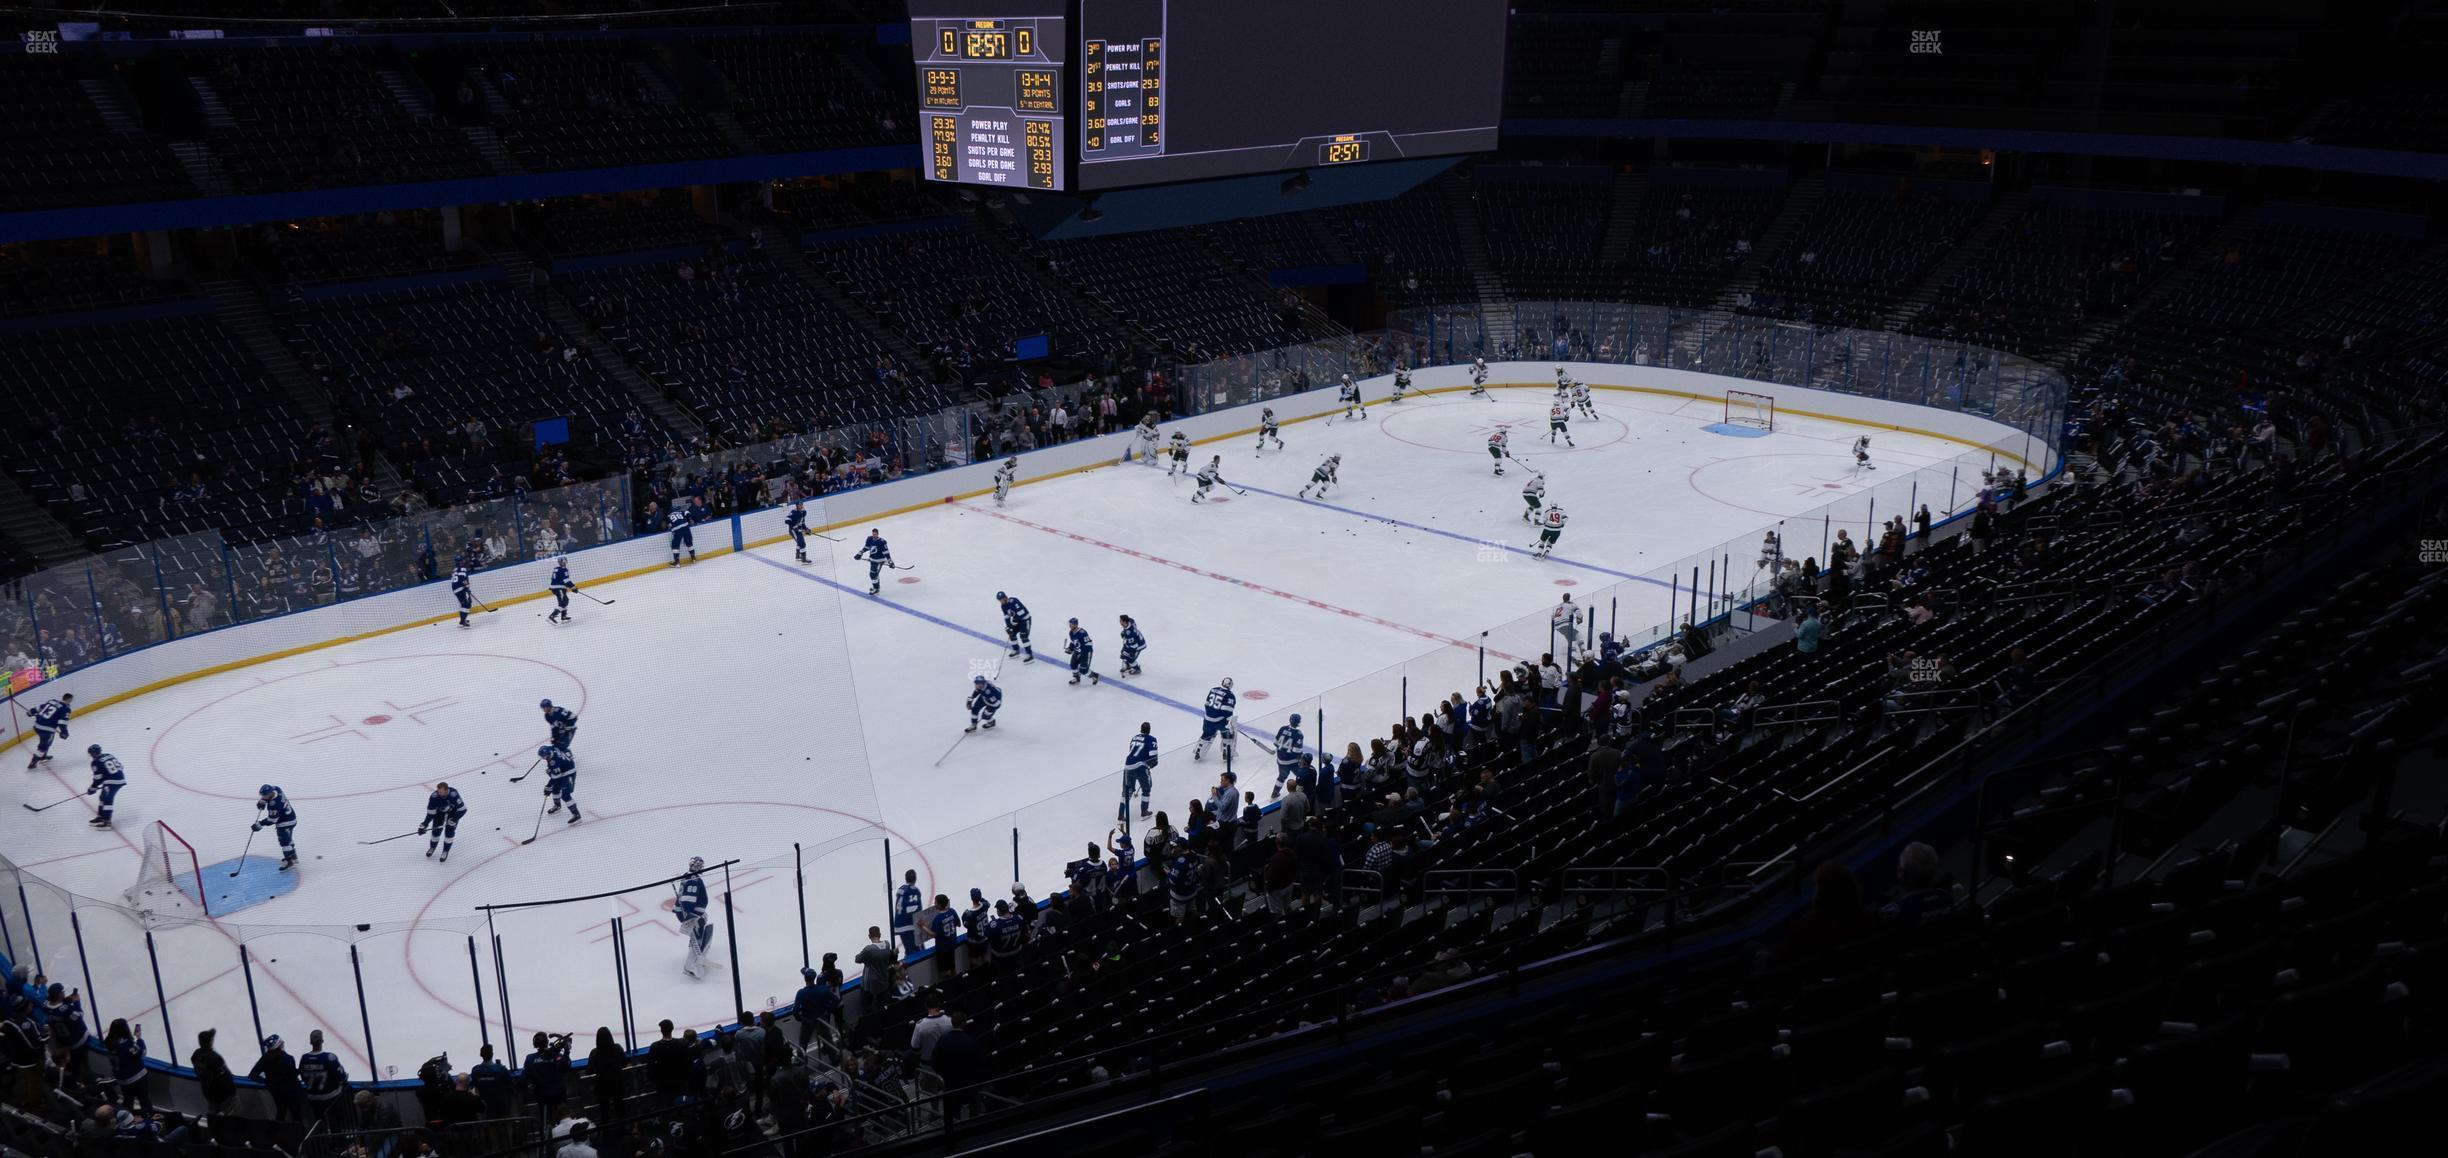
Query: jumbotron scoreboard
{"type": "Point", "coordinates": [1105, 94]}
{"type": "Point", "coordinates": [991, 99]}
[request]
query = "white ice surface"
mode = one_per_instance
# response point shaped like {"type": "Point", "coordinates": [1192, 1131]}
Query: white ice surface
{"type": "Point", "coordinates": [714, 723]}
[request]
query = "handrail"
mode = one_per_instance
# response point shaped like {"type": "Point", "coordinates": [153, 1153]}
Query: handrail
{"type": "Point", "coordinates": [1470, 885]}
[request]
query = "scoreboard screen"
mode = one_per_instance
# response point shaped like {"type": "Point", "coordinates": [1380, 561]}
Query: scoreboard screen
{"type": "Point", "coordinates": [1168, 90]}
{"type": "Point", "coordinates": [992, 100]}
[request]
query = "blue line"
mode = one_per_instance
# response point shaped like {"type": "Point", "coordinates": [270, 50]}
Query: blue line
{"type": "Point", "coordinates": [948, 625]}
{"type": "Point", "coordinates": [1375, 518]}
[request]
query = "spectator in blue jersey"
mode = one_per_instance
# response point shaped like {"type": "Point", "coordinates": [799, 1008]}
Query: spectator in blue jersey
{"type": "Point", "coordinates": [491, 1082]}
{"type": "Point", "coordinates": [818, 1001]}
{"type": "Point", "coordinates": [906, 905]}
{"type": "Point", "coordinates": [279, 1074]}
{"type": "Point", "coordinates": [943, 928]}
{"type": "Point", "coordinates": [1182, 881]}
{"type": "Point", "coordinates": [547, 1072]}
{"type": "Point", "coordinates": [1006, 935]}
{"type": "Point", "coordinates": [126, 1048]}
{"type": "Point", "coordinates": [325, 1082]}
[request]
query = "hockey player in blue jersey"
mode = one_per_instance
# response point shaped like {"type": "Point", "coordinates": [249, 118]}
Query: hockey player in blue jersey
{"type": "Point", "coordinates": [985, 699]}
{"type": "Point", "coordinates": [908, 902]}
{"type": "Point", "coordinates": [1016, 624]}
{"type": "Point", "coordinates": [463, 591]}
{"type": "Point", "coordinates": [1132, 644]}
{"type": "Point", "coordinates": [878, 555]}
{"type": "Point", "coordinates": [796, 523]}
{"type": "Point", "coordinates": [50, 723]}
{"type": "Point", "coordinates": [689, 909]}
{"type": "Point", "coordinates": [683, 534]}
{"type": "Point", "coordinates": [1219, 722]}
{"type": "Point", "coordinates": [1081, 649]}
{"type": "Point", "coordinates": [562, 721]}
{"type": "Point", "coordinates": [560, 779]}
{"type": "Point", "coordinates": [281, 818]}
{"type": "Point", "coordinates": [443, 812]}
{"type": "Point", "coordinates": [1288, 745]}
{"type": "Point", "coordinates": [108, 778]}
{"type": "Point", "coordinates": [1138, 775]}
{"type": "Point", "coordinates": [561, 585]}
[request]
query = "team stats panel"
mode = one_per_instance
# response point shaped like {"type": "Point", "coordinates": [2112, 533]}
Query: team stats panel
{"type": "Point", "coordinates": [991, 91]}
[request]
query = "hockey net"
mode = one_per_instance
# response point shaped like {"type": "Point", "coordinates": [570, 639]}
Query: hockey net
{"type": "Point", "coordinates": [170, 884]}
{"type": "Point", "coordinates": [1746, 409]}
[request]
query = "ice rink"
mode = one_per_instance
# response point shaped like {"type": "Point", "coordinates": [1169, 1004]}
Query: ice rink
{"type": "Point", "coordinates": [719, 718]}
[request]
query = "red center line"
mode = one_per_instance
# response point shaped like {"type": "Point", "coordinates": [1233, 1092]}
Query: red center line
{"type": "Point", "coordinates": [1219, 577]}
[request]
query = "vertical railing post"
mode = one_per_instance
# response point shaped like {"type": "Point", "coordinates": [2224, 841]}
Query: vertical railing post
{"type": "Point", "coordinates": [246, 968]}
{"type": "Point", "coordinates": [799, 880]}
{"type": "Point", "coordinates": [484, 1032]}
{"type": "Point", "coordinates": [365, 1019]}
{"type": "Point", "coordinates": [161, 996]}
{"type": "Point", "coordinates": [739, 998]}
{"type": "Point", "coordinates": [889, 912]}
{"type": "Point", "coordinates": [229, 576]}
{"type": "Point", "coordinates": [77, 928]}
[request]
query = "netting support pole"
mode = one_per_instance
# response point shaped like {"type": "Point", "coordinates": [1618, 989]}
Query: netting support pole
{"type": "Point", "coordinates": [1912, 503]}
{"type": "Point", "coordinates": [620, 937]}
{"type": "Point", "coordinates": [77, 928]}
{"type": "Point", "coordinates": [1482, 665]}
{"type": "Point", "coordinates": [1695, 594]}
{"type": "Point", "coordinates": [162, 592]}
{"type": "Point", "coordinates": [246, 968]}
{"type": "Point", "coordinates": [484, 1033]}
{"type": "Point", "coordinates": [1870, 523]}
{"type": "Point", "coordinates": [229, 578]}
{"type": "Point", "coordinates": [1824, 525]}
{"type": "Point", "coordinates": [1016, 853]}
{"type": "Point", "coordinates": [161, 995]}
{"type": "Point", "coordinates": [620, 976]}
{"type": "Point", "coordinates": [739, 999]}
{"type": "Point", "coordinates": [8, 940]}
{"type": "Point", "coordinates": [889, 912]}
{"type": "Point", "coordinates": [799, 881]}
{"type": "Point", "coordinates": [1712, 591]}
{"type": "Point", "coordinates": [1406, 687]}
{"type": "Point", "coordinates": [1674, 598]}
{"type": "Point", "coordinates": [1952, 473]}
{"type": "Point", "coordinates": [93, 603]}
{"type": "Point", "coordinates": [364, 1019]}
{"type": "Point", "coordinates": [1611, 601]}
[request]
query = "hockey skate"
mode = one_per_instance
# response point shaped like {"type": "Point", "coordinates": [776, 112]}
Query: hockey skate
{"type": "Point", "coordinates": [972, 726]}
{"type": "Point", "coordinates": [100, 822]}
{"type": "Point", "coordinates": [556, 807]}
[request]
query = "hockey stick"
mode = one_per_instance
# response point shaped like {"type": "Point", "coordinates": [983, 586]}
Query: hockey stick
{"type": "Point", "coordinates": [529, 772]}
{"type": "Point", "coordinates": [1234, 489]}
{"type": "Point", "coordinates": [389, 839]}
{"type": "Point", "coordinates": [50, 806]}
{"type": "Point", "coordinates": [605, 602]}
{"type": "Point", "coordinates": [539, 824]}
{"type": "Point", "coordinates": [948, 751]}
{"type": "Point", "coordinates": [244, 849]}
{"type": "Point", "coordinates": [900, 567]}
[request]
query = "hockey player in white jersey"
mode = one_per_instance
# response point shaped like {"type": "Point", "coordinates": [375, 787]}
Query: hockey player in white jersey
{"type": "Point", "coordinates": [1132, 644]}
{"type": "Point", "coordinates": [1323, 477]}
{"type": "Point", "coordinates": [1772, 554]}
{"type": "Point", "coordinates": [1208, 476]}
{"type": "Point", "coordinates": [1180, 457]}
{"type": "Point", "coordinates": [1267, 429]}
{"type": "Point", "coordinates": [1402, 383]}
{"type": "Point", "coordinates": [985, 699]}
{"type": "Point", "coordinates": [1219, 722]}
{"type": "Point", "coordinates": [1563, 382]}
{"type": "Point", "coordinates": [1566, 621]}
{"type": "Point", "coordinates": [1534, 496]}
{"type": "Point", "coordinates": [1349, 394]}
{"type": "Point", "coordinates": [1581, 399]}
{"type": "Point", "coordinates": [1499, 450]}
{"type": "Point", "coordinates": [1861, 454]}
{"type": "Point", "coordinates": [1557, 416]}
{"type": "Point", "coordinates": [1551, 528]}
{"type": "Point", "coordinates": [691, 909]}
{"type": "Point", "coordinates": [1144, 439]}
{"type": "Point", "coordinates": [1082, 651]}
{"type": "Point", "coordinates": [1003, 477]}
{"type": "Point", "coordinates": [1478, 373]}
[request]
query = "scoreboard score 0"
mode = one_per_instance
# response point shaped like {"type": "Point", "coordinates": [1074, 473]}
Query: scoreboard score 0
{"type": "Point", "coordinates": [990, 91]}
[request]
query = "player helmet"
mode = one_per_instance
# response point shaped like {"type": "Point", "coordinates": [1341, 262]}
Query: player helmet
{"type": "Point", "coordinates": [696, 864]}
{"type": "Point", "coordinates": [977, 679]}
{"type": "Point", "coordinates": [1000, 597]}
{"type": "Point", "coordinates": [1227, 681]}
{"type": "Point", "coordinates": [93, 749]}
{"type": "Point", "coordinates": [1296, 719]}
{"type": "Point", "coordinates": [267, 790]}
{"type": "Point", "coordinates": [544, 751]}
{"type": "Point", "coordinates": [544, 704]}
{"type": "Point", "coordinates": [1011, 462]}
{"type": "Point", "coordinates": [1075, 621]}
